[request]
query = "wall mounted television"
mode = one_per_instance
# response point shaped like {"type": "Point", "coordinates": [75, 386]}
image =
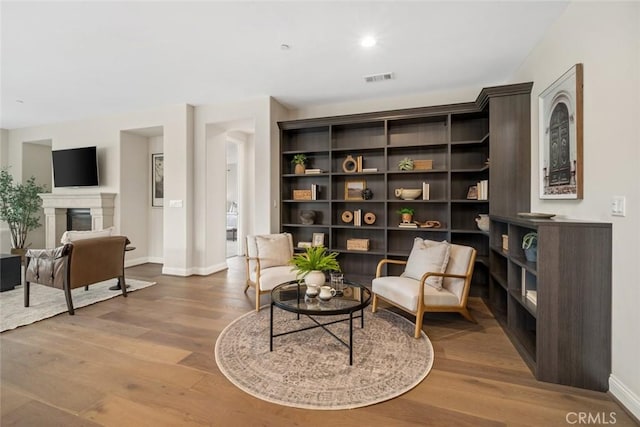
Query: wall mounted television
{"type": "Point", "coordinates": [75, 167]}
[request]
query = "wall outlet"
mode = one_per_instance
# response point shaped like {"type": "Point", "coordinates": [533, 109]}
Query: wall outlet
{"type": "Point", "coordinates": [175, 203]}
{"type": "Point", "coordinates": [618, 206]}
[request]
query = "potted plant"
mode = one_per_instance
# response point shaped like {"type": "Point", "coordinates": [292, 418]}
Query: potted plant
{"type": "Point", "coordinates": [405, 164]}
{"type": "Point", "coordinates": [299, 160]}
{"type": "Point", "coordinates": [312, 264]}
{"type": "Point", "coordinates": [407, 214]}
{"type": "Point", "coordinates": [530, 246]}
{"type": "Point", "coordinates": [19, 208]}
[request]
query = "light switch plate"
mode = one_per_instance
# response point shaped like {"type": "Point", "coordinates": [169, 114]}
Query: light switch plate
{"type": "Point", "coordinates": [175, 203]}
{"type": "Point", "coordinates": [618, 206]}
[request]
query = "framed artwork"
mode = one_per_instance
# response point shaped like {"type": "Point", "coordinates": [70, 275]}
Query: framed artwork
{"type": "Point", "coordinates": [318, 239]}
{"type": "Point", "coordinates": [353, 189]}
{"type": "Point", "coordinates": [472, 192]}
{"type": "Point", "coordinates": [560, 137]}
{"type": "Point", "coordinates": [157, 179]}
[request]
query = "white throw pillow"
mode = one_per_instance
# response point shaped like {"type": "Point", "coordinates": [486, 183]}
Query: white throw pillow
{"type": "Point", "coordinates": [428, 256]}
{"type": "Point", "coordinates": [274, 250]}
{"type": "Point", "coordinates": [73, 235]}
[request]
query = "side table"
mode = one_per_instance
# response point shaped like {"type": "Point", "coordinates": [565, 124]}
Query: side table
{"type": "Point", "coordinates": [118, 287]}
{"type": "Point", "coordinates": [10, 271]}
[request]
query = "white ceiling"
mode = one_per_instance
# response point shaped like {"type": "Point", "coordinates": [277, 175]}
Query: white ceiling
{"type": "Point", "coordinates": [72, 60]}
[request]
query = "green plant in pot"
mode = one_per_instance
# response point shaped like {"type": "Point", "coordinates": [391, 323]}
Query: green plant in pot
{"type": "Point", "coordinates": [405, 164]}
{"type": "Point", "coordinates": [530, 246]}
{"type": "Point", "coordinates": [299, 160]}
{"type": "Point", "coordinates": [20, 208]}
{"type": "Point", "coordinates": [407, 214]}
{"type": "Point", "coordinates": [312, 263]}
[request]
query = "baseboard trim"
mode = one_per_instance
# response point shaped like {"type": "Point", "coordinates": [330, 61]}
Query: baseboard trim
{"type": "Point", "coordinates": [625, 396]}
{"type": "Point", "coordinates": [183, 272]}
{"type": "Point", "coordinates": [205, 271]}
{"type": "Point", "coordinates": [142, 260]}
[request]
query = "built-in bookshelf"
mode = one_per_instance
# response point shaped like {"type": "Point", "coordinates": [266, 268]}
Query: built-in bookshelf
{"type": "Point", "coordinates": [452, 147]}
{"type": "Point", "coordinates": [557, 309]}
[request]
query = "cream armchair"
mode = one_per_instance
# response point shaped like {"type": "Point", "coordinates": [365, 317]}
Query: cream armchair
{"type": "Point", "coordinates": [437, 278]}
{"type": "Point", "coordinates": [268, 258]}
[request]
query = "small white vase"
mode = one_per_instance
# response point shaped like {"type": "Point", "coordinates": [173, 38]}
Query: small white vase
{"type": "Point", "coordinates": [483, 222]}
{"type": "Point", "coordinates": [315, 278]}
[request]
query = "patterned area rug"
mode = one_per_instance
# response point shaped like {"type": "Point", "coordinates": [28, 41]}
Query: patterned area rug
{"type": "Point", "coordinates": [45, 302]}
{"type": "Point", "coordinates": [311, 369]}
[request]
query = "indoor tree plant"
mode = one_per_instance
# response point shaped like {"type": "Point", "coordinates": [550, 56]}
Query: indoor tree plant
{"type": "Point", "coordinates": [312, 263]}
{"type": "Point", "coordinates": [20, 207]}
{"type": "Point", "coordinates": [299, 160]}
{"type": "Point", "coordinates": [530, 246]}
{"type": "Point", "coordinates": [407, 214]}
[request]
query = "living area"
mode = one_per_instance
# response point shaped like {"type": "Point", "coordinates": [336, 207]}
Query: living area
{"type": "Point", "coordinates": [167, 331]}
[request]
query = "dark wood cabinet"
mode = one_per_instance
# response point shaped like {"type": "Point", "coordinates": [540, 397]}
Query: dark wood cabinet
{"type": "Point", "coordinates": [564, 333]}
{"type": "Point", "coordinates": [458, 140]}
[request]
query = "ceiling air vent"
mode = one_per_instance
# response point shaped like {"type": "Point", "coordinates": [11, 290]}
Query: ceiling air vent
{"type": "Point", "coordinates": [378, 77]}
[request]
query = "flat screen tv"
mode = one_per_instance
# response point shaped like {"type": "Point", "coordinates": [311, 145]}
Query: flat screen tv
{"type": "Point", "coordinates": [75, 167]}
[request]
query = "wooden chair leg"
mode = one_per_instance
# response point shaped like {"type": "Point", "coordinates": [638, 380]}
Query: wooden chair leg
{"type": "Point", "coordinates": [86, 288]}
{"type": "Point", "coordinates": [418, 331]}
{"type": "Point", "coordinates": [246, 287]}
{"type": "Point", "coordinates": [123, 285]}
{"type": "Point", "coordinates": [374, 303]}
{"type": "Point", "coordinates": [257, 297]}
{"type": "Point", "coordinates": [465, 313]}
{"type": "Point", "coordinates": [67, 295]}
{"type": "Point", "coordinates": [26, 294]}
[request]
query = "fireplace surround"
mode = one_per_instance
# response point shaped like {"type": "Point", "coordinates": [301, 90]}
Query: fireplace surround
{"type": "Point", "coordinates": [100, 206]}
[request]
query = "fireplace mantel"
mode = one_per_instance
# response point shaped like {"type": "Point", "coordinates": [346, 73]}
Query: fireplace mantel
{"type": "Point", "coordinates": [55, 210]}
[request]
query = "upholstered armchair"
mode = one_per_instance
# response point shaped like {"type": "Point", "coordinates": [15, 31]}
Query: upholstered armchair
{"type": "Point", "coordinates": [437, 278]}
{"type": "Point", "coordinates": [268, 258]}
{"type": "Point", "coordinates": [76, 264]}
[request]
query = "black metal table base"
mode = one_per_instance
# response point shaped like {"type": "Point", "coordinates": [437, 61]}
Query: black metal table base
{"type": "Point", "coordinates": [323, 326]}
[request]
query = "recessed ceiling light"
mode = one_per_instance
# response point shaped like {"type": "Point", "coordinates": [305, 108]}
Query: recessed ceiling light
{"type": "Point", "coordinates": [19, 101]}
{"type": "Point", "coordinates": [285, 46]}
{"type": "Point", "coordinates": [368, 41]}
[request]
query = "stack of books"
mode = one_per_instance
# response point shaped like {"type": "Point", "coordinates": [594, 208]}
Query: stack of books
{"type": "Point", "coordinates": [357, 218]}
{"type": "Point", "coordinates": [369, 169]}
{"type": "Point", "coordinates": [315, 189]}
{"type": "Point", "coordinates": [425, 191]}
{"type": "Point", "coordinates": [483, 189]}
{"type": "Point", "coordinates": [313, 171]}
{"type": "Point", "coordinates": [532, 296]}
{"type": "Point", "coordinates": [408, 225]}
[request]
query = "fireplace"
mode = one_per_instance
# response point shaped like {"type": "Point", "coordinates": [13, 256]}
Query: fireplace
{"type": "Point", "coordinates": [79, 219]}
{"type": "Point", "coordinates": [87, 212]}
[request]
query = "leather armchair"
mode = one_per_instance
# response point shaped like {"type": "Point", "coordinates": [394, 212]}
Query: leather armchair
{"type": "Point", "coordinates": [77, 264]}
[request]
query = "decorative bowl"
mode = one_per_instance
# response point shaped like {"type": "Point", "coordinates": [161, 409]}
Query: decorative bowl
{"type": "Point", "coordinates": [408, 193]}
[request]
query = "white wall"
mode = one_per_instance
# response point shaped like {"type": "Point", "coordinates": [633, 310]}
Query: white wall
{"type": "Point", "coordinates": [156, 214]}
{"type": "Point", "coordinates": [134, 178]}
{"type": "Point", "coordinates": [36, 162]}
{"type": "Point", "coordinates": [611, 58]}
{"type": "Point", "coordinates": [5, 235]}
{"type": "Point", "coordinates": [211, 124]}
{"type": "Point", "coordinates": [104, 132]}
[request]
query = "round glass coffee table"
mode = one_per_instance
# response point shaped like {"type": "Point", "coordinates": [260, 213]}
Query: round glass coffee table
{"type": "Point", "coordinates": [291, 296]}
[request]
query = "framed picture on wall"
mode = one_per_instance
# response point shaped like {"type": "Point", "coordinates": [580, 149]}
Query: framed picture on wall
{"type": "Point", "coordinates": [157, 179]}
{"type": "Point", "coordinates": [560, 137]}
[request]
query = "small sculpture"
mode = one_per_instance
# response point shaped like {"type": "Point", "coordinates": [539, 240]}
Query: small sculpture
{"type": "Point", "coordinates": [307, 217]}
{"type": "Point", "coordinates": [367, 194]}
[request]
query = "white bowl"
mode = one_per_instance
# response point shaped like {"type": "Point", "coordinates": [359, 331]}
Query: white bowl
{"type": "Point", "coordinates": [408, 193]}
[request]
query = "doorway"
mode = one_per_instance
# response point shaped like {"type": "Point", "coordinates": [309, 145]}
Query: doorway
{"type": "Point", "coordinates": [232, 199]}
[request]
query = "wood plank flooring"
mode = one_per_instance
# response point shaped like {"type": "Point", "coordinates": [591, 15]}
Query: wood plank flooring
{"type": "Point", "coordinates": [147, 360]}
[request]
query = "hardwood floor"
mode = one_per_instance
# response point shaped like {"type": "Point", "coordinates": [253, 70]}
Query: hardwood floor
{"type": "Point", "coordinates": [147, 360]}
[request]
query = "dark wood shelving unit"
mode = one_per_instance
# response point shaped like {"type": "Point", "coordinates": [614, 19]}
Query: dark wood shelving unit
{"type": "Point", "coordinates": [565, 335]}
{"type": "Point", "coordinates": [458, 138]}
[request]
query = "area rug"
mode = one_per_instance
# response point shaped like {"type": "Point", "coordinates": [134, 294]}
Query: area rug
{"type": "Point", "coordinates": [311, 369]}
{"type": "Point", "coordinates": [45, 302]}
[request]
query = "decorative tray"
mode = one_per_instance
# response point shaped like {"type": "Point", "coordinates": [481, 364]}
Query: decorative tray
{"type": "Point", "coordinates": [536, 215]}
